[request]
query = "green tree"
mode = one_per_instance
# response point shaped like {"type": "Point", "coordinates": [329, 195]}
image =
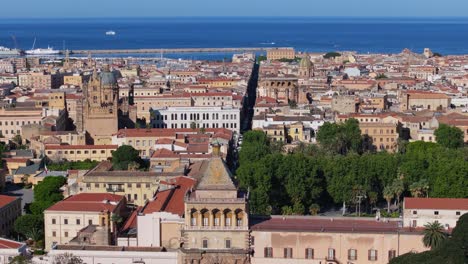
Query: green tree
{"type": "Point", "coordinates": [341, 138]}
{"type": "Point", "coordinates": [398, 188]}
{"type": "Point", "coordinates": [123, 156]}
{"type": "Point", "coordinates": [314, 209]}
{"type": "Point", "coordinates": [388, 194]}
{"type": "Point", "coordinates": [420, 188]}
{"type": "Point", "coordinates": [49, 190]}
{"type": "Point", "coordinates": [449, 136]}
{"type": "Point", "coordinates": [20, 260]}
{"type": "Point", "coordinates": [434, 235]}
{"type": "Point", "coordinates": [30, 226]}
{"type": "Point", "coordinates": [381, 76]}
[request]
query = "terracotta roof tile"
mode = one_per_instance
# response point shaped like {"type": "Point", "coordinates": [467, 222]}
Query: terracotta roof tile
{"type": "Point", "coordinates": [5, 199]}
{"type": "Point", "coordinates": [88, 202]}
{"type": "Point", "coordinates": [9, 244]}
{"type": "Point", "coordinates": [171, 200]}
{"type": "Point", "coordinates": [436, 203]}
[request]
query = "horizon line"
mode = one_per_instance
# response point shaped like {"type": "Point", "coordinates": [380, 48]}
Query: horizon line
{"type": "Point", "coordinates": [241, 16]}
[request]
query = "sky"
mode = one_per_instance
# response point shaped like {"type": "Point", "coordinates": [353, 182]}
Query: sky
{"type": "Point", "coordinates": [174, 8]}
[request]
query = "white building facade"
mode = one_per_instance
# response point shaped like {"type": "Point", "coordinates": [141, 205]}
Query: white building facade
{"type": "Point", "coordinates": [200, 117]}
{"type": "Point", "coordinates": [419, 211]}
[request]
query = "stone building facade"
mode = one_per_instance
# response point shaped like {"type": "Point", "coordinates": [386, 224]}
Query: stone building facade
{"type": "Point", "coordinates": [216, 228]}
{"type": "Point", "coordinates": [101, 107]}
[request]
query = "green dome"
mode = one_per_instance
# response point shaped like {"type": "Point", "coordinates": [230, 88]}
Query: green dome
{"type": "Point", "coordinates": [305, 62]}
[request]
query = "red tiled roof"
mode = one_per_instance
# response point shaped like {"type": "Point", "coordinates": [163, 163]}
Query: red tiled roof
{"type": "Point", "coordinates": [164, 141]}
{"type": "Point", "coordinates": [200, 148]}
{"type": "Point", "coordinates": [426, 95]}
{"type": "Point", "coordinates": [436, 203]}
{"type": "Point", "coordinates": [9, 244]}
{"type": "Point", "coordinates": [132, 220]}
{"type": "Point", "coordinates": [81, 147]}
{"type": "Point", "coordinates": [5, 199]}
{"type": "Point", "coordinates": [322, 224]}
{"type": "Point", "coordinates": [24, 160]}
{"type": "Point", "coordinates": [164, 153]}
{"type": "Point", "coordinates": [171, 200]}
{"type": "Point", "coordinates": [88, 202]}
{"type": "Point", "coordinates": [211, 94]}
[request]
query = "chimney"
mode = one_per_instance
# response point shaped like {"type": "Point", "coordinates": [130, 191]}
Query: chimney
{"type": "Point", "coordinates": [216, 152]}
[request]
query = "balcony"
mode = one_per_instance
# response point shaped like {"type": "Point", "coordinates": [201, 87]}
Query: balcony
{"type": "Point", "coordinates": [115, 189]}
{"type": "Point", "coordinates": [214, 200]}
{"type": "Point", "coordinates": [215, 228]}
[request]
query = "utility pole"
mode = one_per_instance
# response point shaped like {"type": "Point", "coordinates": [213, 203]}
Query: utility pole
{"type": "Point", "coordinates": [360, 197]}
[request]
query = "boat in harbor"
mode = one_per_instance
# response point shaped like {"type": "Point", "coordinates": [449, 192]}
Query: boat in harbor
{"type": "Point", "coordinates": [39, 51]}
{"type": "Point", "coordinates": [4, 51]}
{"type": "Point", "coordinates": [110, 33]}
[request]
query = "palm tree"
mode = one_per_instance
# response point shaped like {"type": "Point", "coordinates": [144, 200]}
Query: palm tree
{"type": "Point", "coordinates": [420, 188]}
{"type": "Point", "coordinates": [433, 234]}
{"type": "Point", "coordinates": [398, 187]}
{"type": "Point", "coordinates": [388, 194]}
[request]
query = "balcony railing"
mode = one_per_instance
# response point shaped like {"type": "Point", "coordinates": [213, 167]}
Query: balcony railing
{"type": "Point", "coordinates": [195, 228]}
{"type": "Point", "coordinates": [113, 189]}
{"type": "Point", "coordinates": [214, 200]}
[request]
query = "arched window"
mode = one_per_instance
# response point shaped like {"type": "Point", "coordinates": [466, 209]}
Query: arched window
{"type": "Point", "coordinates": [217, 217]}
{"type": "Point", "coordinates": [193, 217]}
{"type": "Point", "coordinates": [227, 217]}
{"type": "Point", "coordinates": [239, 217]}
{"type": "Point", "coordinates": [205, 217]}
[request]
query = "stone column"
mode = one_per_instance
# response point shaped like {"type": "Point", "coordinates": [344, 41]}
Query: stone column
{"type": "Point", "coordinates": [211, 219]}
{"type": "Point", "coordinates": [200, 219]}
{"type": "Point", "coordinates": [223, 219]}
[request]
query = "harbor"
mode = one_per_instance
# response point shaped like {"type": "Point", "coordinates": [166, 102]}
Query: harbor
{"type": "Point", "coordinates": [174, 50]}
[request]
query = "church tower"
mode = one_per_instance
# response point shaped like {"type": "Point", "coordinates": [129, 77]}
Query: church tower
{"type": "Point", "coordinates": [306, 68]}
{"type": "Point", "coordinates": [101, 107]}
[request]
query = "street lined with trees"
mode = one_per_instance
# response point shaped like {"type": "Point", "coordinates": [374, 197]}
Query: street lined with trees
{"type": "Point", "coordinates": [342, 170]}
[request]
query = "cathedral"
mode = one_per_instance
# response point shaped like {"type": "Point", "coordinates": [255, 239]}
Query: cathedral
{"type": "Point", "coordinates": [100, 107]}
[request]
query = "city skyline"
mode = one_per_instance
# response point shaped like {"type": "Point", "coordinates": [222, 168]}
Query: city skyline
{"type": "Point", "coordinates": [241, 8]}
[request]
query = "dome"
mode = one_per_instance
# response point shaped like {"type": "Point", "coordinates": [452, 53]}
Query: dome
{"type": "Point", "coordinates": [108, 78]}
{"type": "Point", "coordinates": [305, 62]}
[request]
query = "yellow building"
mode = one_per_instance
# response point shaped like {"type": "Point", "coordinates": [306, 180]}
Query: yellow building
{"type": "Point", "coordinates": [384, 135]}
{"type": "Point", "coordinates": [79, 152]}
{"type": "Point", "coordinates": [281, 53]}
{"type": "Point", "coordinates": [419, 100]}
{"type": "Point", "coordinates": [219, 82]}
{"type": "Point", "coordinates": [276, 132]}
{"type": "Point", "coordinates": [10, 209]}
{"type": "Point", "coordinates": [75, 80]}
{"type": "Point", "coordinates": [315, 240]}
{"type": "Point", "coordinates": [295, 132]}
{"type": "Point", "coordinates": [65, 219]}
{"type": "Point", "coordinates": [137, 186]}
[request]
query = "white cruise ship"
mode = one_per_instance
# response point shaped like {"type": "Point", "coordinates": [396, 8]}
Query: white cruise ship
{"type": "Point", "coordinates": [48, 51]}
{"type": "Point", "coordinates": [110, 33]}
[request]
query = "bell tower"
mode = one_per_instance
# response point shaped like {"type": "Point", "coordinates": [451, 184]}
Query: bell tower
{"type": "Point", "coordinates": [101, 107]}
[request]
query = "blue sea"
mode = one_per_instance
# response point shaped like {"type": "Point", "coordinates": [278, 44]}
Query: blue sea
{"type": "Point", "coordinates": [383, 35]}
